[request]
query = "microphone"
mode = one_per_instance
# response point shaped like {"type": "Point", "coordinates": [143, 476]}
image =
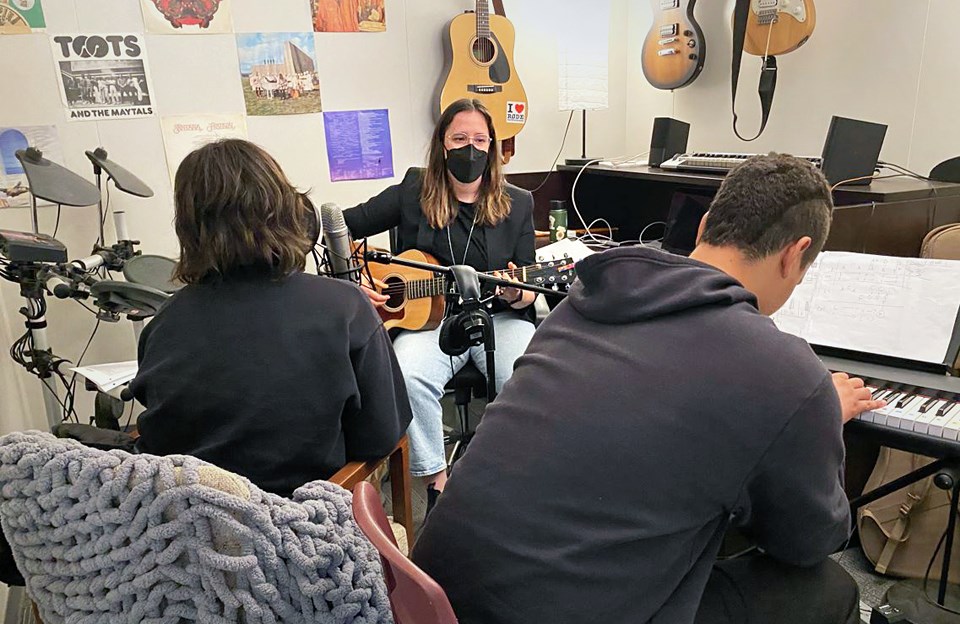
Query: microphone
{"type": "Point", "coordinates": [336, 236]}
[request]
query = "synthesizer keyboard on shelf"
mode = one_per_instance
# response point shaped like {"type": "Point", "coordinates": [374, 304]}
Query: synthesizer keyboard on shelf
{"type": "Point", "coordinates": [922, 414]}
{"type": "Point", "coordinates": [713, 162]}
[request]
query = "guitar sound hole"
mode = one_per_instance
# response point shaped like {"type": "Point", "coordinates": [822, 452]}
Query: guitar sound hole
{"type": "Point", "coordinates": [395, 289]}
{"type": "Point", "coordinates": [483, 50]}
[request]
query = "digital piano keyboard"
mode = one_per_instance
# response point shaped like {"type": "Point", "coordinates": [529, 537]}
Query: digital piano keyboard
{"type": "Point", "coordinates": [922, 414]}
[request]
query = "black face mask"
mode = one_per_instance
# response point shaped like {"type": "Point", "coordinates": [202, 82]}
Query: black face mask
{"type": "Point", "coordinates": [466, 163]}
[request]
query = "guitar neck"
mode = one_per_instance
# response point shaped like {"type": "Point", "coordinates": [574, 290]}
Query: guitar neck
{"type": "Point", "coordinates": [483, 19]}
{"type": "Point", "coordinates": [436, 286]}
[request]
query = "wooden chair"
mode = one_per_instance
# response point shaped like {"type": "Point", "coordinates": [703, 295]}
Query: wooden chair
{"type": "Point", "coordinates": [414, 597]}
{"type": "Point", "coordinates": [400, 482]}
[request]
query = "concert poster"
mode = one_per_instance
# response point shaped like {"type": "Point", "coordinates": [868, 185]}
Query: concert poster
{"type": "Point", "coordinates": [103, 76]}
{"type": "Point", "coordinates": [185, 133]}
{"type": "Point", "coordinates": [278, 72]}
{"type": "Point", "coordinates": [14, 188]}
{"type": "Point", "coordinates": [187, 17]}
{"type": "Point", "coordinates": [348, 15]}
{"type": "Point", "coordinates": [21, 17]}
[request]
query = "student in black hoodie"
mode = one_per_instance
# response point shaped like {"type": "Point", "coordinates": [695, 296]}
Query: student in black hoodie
{"type": "Point", "coordinates": [655, 408]}
{"type": "Point", "coordinates": [255, 366]}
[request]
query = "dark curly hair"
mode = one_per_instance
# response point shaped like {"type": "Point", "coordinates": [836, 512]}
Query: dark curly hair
{"type": "Point", "coordinates": [235, 209]}
{"type": "Point", "coordinates": [768, 202]}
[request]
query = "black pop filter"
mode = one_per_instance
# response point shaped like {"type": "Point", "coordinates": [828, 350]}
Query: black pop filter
{"type": "Point", "coordinates": [125, 181]}
{"type": "Point", "coordinates": [55, 183]}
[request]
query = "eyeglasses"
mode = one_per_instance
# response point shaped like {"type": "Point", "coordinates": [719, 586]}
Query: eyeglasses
{"type": "Point", "coordinates": [480, 141]}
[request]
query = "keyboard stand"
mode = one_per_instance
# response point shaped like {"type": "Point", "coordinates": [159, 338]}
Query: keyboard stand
{"type": "Point", "coordinates": [947, 477]}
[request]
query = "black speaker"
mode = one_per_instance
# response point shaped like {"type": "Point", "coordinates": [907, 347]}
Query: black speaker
{"type": "Point", "coordinates": [669, 139]}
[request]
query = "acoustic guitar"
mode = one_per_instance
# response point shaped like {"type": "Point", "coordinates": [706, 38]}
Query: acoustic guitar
{"type": "Point", "coordinates": [417, 296]}
{"type": "Point", "coordinates": [776, 27]}
{"type": "Point", "coordinates": [674, 50]}
{"type": "Point", "coordinates": [480, 60]}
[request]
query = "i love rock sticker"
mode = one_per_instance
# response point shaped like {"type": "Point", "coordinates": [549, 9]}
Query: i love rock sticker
{"type": "Point", "coordinates": [516, 112]}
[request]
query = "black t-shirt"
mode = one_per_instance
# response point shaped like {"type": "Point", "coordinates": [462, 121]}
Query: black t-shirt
{"type": "Point", "coordinates": [281, 381]}
{"type": "Point", "coordinates": [455, 236]}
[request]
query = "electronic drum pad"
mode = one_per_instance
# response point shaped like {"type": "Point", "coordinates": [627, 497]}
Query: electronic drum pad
{"type": "Point", "coordinates": [153, 271]}
{"type": "Point", "coordinates": [135, 300]}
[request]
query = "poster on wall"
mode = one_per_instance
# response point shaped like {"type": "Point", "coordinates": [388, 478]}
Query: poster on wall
{"type": "Point", "coordinates": [187, 17]}
{"type": "Point", "coordinates": [14, 190]}
{"type": "Point", "coordinates": [21, 17]}
{"type": "Point", "coordinates": [348, 15]}
{"type": "Point", "coordinates": [358, 144]}
{"type": "Point", "coordinates": [183, 134]}
{"type": "Point", "coordinates": [103, 76]}
{"type": "Point", "coordinates": [279, 73]}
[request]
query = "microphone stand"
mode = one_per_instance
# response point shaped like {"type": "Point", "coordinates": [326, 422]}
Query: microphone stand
{"type": "Point", "coordinates": [462, 276]}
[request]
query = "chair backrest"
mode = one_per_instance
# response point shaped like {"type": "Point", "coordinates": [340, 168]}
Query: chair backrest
{"type": "Point", "coordinates": [415, 597]}
{"type": "Point", "coordinates": [942, 243]}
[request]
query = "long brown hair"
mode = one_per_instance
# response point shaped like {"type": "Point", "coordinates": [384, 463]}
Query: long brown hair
{"type": "Point", "coordinates": [235, 209]}
{"type": "Point", "coordinates": [437, 199]}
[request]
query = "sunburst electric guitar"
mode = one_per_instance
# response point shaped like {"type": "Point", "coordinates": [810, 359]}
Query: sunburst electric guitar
{"type": "Point", "coordinates": [417, 296]}
{"type": "Point", "coordinates": [775, 27]}
{"type": "Point", "coordinates": [674, 51]}
{"type": "Point", "coordinates": [480, 58]}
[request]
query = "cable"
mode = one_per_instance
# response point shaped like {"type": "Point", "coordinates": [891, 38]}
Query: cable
{"type": "Point", "coordinates": [71, 387]}
{"type": "Point", "coordinates": [56, 227]}
{"type": "Point", "coordinates": [904, 170]}
{"type": "Point", "coordinates": [563, 142]}
{"type": "Point", "coordinates": [573, 200]}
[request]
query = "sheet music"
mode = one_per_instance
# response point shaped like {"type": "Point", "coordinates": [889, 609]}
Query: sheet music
{"type": "Point", "coordinates": [108, 376]}
{"type": "Point", "coordinates": [900, 307]}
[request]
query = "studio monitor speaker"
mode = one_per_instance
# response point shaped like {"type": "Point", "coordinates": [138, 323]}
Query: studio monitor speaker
{"type": "Point", "coordinates": [669, 139]}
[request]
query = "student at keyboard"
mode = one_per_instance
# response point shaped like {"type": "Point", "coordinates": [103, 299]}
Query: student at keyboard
{"type": "Point", "coordinates": [655, 408]}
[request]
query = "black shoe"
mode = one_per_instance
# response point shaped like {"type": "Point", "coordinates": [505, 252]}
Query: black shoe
{"type": "Point", "coordinates": [432, 495]}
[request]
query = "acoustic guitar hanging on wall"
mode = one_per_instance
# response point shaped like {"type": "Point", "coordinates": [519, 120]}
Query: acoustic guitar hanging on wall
{"type": "Point", "coordinates": [480, 58]}
{"type": "Point", "coordinates": [675, 50]}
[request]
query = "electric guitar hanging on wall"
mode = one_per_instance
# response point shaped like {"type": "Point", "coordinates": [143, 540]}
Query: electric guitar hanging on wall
{"type": "Point", "coordinates": [417, 296]}
{"type": "Point", "coordinates": [675, 50]}
{"type": "Point", "coordinates": [775, 27]}
{"type": "Point", "coordinates": [480, 60]}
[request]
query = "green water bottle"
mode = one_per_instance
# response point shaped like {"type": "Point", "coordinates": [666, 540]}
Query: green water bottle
{"type": "Point", "coordinates": [558, 220]}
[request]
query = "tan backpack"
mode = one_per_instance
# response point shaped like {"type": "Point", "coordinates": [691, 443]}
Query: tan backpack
{"type": "Point", "coordinates": [899, 532]}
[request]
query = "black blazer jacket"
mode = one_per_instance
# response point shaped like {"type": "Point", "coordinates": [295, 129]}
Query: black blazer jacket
{"type": "Point", "coordinates": [398, 206]}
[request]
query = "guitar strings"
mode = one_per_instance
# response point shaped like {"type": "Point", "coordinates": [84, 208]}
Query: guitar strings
{"type": "Point", "coordinates": [439, 281]}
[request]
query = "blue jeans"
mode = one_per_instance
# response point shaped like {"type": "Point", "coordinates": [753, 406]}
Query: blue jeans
{"type": "Point", "coordinates": [426, 370]}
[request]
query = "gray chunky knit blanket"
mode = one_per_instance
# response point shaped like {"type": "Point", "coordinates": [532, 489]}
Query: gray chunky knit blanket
{"type": "Point", "coordinates": [114, 537]}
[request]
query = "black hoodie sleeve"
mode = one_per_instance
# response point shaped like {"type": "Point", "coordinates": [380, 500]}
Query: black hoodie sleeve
{"type": "Point", "coordinates": [793, 504]}
{"type": "Point", "coordinates": [384, 410]}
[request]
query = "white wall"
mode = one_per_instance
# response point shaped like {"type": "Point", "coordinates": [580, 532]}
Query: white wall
{"type": "Point", "coordinates": [887, 61]}
{"type": "Point", "coordinates": [398, 70]}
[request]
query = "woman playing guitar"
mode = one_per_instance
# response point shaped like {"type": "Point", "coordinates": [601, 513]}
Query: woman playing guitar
{"type": "Point", "coordinates": [460, 210]}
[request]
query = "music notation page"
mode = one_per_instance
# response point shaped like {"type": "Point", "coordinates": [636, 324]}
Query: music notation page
{"type": "Point", "coordinates": [900, 307]}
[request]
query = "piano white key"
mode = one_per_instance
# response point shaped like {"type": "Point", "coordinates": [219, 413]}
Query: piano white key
{"type": "Point", "coordinates": [924, 418]}
{"type": "Point", "coordinates": [910, 411]}
{"type": "Point", "coordinates": [882, 416]}
{"type": "Point", "coordinates": [939, 419]}
{"type": "Point", "coordinates": [951, 430]}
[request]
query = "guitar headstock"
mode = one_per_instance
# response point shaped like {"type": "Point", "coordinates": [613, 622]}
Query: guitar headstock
{"type": "Point", "coordinates": [555, 274]}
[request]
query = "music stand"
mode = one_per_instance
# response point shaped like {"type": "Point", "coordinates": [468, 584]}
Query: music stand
{"type": "Point", "coordinates": [54, 183]}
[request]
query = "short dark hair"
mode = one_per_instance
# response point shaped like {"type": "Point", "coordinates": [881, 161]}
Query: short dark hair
{"type": "Point", "coordinates": [235, 209]}
{"type": "Point", "coordinates": [768, 202]}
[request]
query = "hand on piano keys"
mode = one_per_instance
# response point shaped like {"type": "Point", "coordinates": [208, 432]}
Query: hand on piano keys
{"type": "Point", "coordinates": [920, 412]}
{"type": "Point", "coordinates": [855, 397]}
